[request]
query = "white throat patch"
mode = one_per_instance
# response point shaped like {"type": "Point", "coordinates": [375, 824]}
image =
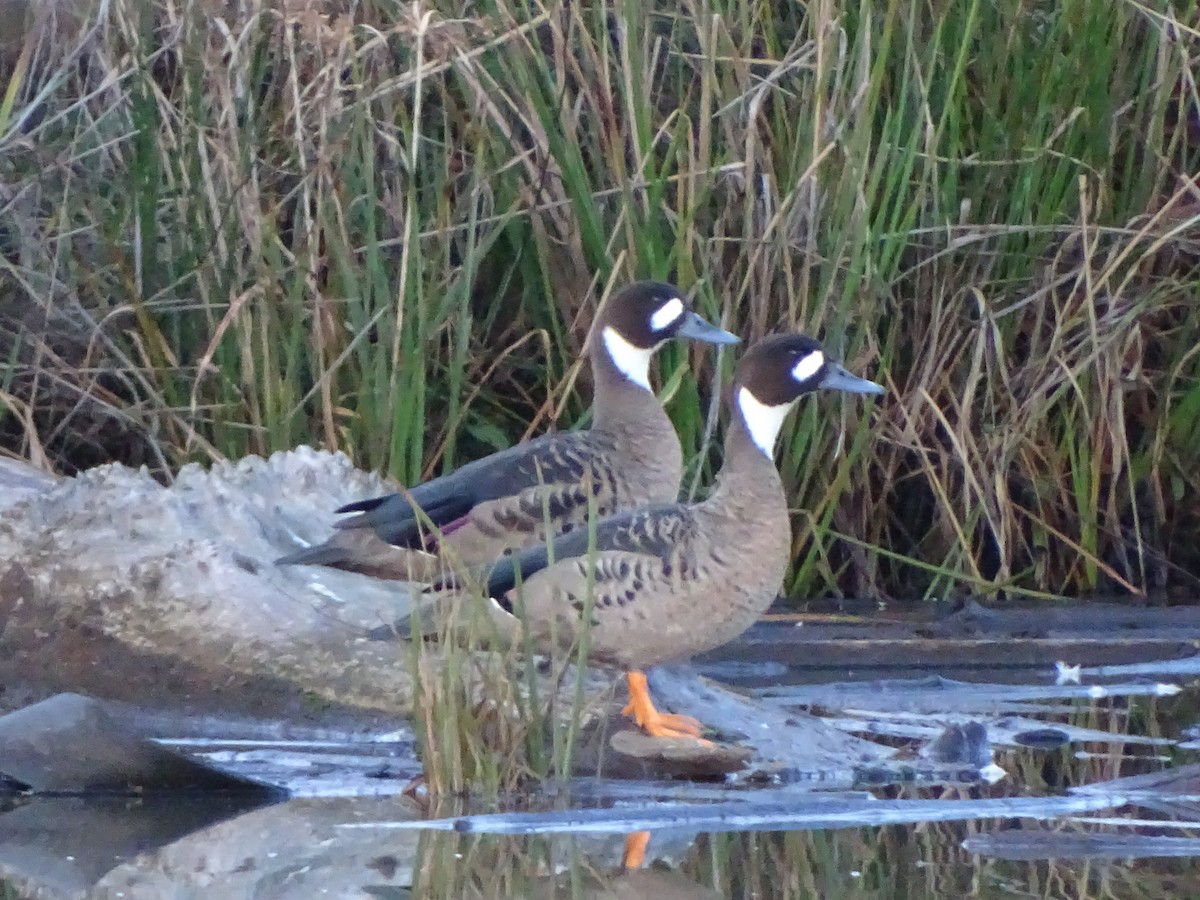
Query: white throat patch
{"type": "Point", "coordinates": [762, 421]}
{"type": "Point", "coordinates": [632, 362]}
{"type": "Point", "coordinates": [666, 314]}
{"type": "Point", "coordinates": [808, 366]}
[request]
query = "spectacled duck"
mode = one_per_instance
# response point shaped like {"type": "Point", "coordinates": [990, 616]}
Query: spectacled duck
{"type": "Point", "coordinates": [670, 581]}
{"type": "Point", "coordinates": [630, 457]}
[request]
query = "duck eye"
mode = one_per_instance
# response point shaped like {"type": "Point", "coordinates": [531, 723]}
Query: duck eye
{"type": "Point", "coordinates": [666, 314]}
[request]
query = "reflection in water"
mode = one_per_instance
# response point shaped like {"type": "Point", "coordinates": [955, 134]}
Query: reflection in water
{"type": "Point", "coordinates": [453, 865]}
{"type": "Point", "coordinates": [926, 860]}
{"type": "Point", "coordinates": [64, 845]}
{"type": "Point", "coordinates": [301, 848]}
{"type": "Point", "coordinates": [891, 862]}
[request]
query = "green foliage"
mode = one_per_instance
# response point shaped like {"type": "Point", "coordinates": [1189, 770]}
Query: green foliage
{"type": "Point", "coordinates": [385, 229]}
{"type": "Point", "coordinates": [488, 719]}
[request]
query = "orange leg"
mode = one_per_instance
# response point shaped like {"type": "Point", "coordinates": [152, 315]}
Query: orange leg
{"type": "Point", "coordinates": [635, 849]}
{"type": "Point", "coordinates": [656, 724]}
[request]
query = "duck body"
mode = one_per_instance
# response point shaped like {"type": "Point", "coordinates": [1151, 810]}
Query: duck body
{"type": "Point", "coordinates": [524, 495]}
{"type": "Point", "coordinates": [663, 583]}
{"type": "Point", "coordinates": [667, 582]}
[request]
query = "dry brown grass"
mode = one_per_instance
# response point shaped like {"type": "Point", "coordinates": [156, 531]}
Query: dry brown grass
{"type": "Point", "coordinates": [229, 229]}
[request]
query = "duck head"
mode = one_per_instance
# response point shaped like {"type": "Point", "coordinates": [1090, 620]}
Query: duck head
{"type": "Point", "coordinates": [779, 370]}
{"type": "Point", "coordinates": [644, 316]}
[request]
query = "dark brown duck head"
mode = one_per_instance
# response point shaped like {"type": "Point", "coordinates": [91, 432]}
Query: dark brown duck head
{"type": "Point", "coordinates": [775, 373]}
{"type": "Point", "coordinates": [636, 322]}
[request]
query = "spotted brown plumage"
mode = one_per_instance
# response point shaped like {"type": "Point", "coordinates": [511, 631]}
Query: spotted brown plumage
{"type": "Point", "coordinates": [670, 581]}
{"type": "Point", "coordinates": [507, 501]}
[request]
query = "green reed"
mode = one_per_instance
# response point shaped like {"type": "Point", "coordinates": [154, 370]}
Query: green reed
{"type": "Point", "coordinates": [385, 229]}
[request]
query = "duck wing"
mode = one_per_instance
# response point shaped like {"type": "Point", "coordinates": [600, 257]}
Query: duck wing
{"type": "Point", "coordinates": [552, 477]}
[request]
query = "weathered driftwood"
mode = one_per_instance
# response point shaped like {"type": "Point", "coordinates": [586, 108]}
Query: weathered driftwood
{"type": "Point", "coordinates": [998, 645]}
{"type": "Point", "coordinates": [116, 586]}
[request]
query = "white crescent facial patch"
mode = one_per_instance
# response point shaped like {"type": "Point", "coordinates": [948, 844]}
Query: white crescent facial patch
{"type": "Point", "coordinates": [808, 365]}
{"type": "Point", "coordinates": [666, 314]}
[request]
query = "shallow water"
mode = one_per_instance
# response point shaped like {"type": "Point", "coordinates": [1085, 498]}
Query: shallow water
{"type": "Point", "coordinates": [348, 832]}
{"type": "Point", "coordinates": [924, 861]}
{"type": "Point", "coordinates": [1138, 849]}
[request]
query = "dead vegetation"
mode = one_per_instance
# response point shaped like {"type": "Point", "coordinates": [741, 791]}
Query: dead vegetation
{"type": "Point", "coordinates": [233, 228]}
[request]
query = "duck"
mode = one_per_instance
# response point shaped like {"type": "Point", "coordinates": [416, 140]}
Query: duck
{"type": "Point", "coordinates": [630, 457]}
{"type": "Point", "coordinates": [667, 582]}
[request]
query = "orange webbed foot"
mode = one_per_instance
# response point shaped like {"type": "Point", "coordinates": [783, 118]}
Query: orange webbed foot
{"type": "Point", "coordinates": [634, 856]}
{"type": "Point", "coordinates": [657, 724]}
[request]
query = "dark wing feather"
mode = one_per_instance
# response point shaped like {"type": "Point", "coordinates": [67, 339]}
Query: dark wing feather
{"type": "Point", "coordinates": [558, 459]}
{"type": "Point", "coordinates": [394, 519]}
{"type": "Point", "coordinates": [653, 531]}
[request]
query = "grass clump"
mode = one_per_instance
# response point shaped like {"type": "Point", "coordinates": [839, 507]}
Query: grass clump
{"type": "Point", "coordinates": [383, 227]}
{"type": "Point", "coordinates": [502, 703]}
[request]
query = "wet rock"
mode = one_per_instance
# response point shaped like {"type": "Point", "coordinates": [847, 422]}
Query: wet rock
{"type": "Point", "coordinates": [640, 756]}
{"type": "Point", "coordinates": [116, 586]}
{"type": "Point", "coordinates": [55, 847]}
{"type": "Point", "coordinates": [1042, 738]}
{"type": "Point", "coordinates": [74, 745]}
{"type": "Point", "coordinates": [749, 738]}
{"type": "Point", "coordinates": [965, 743]}
{"type": "Point", "coordinates": [293, 851]}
